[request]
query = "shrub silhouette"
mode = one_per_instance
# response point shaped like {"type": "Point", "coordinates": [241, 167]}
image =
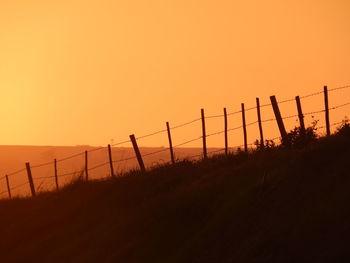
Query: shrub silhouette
{"type": "Point", "coordinates": [299, 138]}
{"type": "Point", "coordinates": [344, 128]}
{"type": "Point", "coordinates": [268, 145]}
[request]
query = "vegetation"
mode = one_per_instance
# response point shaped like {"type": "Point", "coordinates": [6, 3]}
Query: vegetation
{"type": "Point", "coordinates": [299, 138]}
{"type": "Point", "coordinates": [275, 205]}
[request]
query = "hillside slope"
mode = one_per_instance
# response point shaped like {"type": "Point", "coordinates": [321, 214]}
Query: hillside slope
{"type": "Point", "coordinates": [272, 206]}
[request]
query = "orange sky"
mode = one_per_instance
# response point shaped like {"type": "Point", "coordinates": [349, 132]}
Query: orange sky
{"type": "Point", "coordinates": [85, 72]}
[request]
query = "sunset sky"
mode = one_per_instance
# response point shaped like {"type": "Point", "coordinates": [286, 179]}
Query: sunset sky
{"type": "Point", "coordinates": [86, 72]}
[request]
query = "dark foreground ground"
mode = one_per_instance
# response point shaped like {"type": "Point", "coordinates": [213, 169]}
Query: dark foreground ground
{"type": "Point", "coordinates": [271, 206]}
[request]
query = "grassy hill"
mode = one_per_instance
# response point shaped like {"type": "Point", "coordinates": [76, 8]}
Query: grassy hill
{"type": "Point", "coordinates": [278, 205]}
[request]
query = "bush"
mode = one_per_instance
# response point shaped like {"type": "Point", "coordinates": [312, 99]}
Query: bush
{"type": "Point", "coordinates": [298, 138]}
{"type": "Point", "coordinates": [344, 128]}
{"type": "Point", "coordinates": [268, 145]}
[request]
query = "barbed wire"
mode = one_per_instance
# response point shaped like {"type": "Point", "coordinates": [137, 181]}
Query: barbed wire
{"type": "Point", "coordinates": [185, 124]}
{"type": "Point", "coordinates": [234, 113]}
{"type": "Point", "coordinates": [16, 172]}
{"type": "Point", "coordinates": [212, 134]}
{"type": "Point", "coordinates": [290, 116]}
{"type": "Point", "coordinates": [189, 141]}
{"type": "Point", "coordinates": [198, 138]}
{"type": "Point", "coordinates": [98, 166]}
{"type": "Point", "coordinates": [44, 177]}
{"type": "Point", "coordinates": [215, 133]}
{"type": "Point", "coordinates": [214, 116]}
{"type": "Point", "coordinates": [339, 106]}
{"type": "Point", "coordinates": [159, 151]}
{"type": "Point", "coordinates": [3, 192]}
{"type": "Point", "coordinates": [265, 105]}
{"type": "Point", "coordinates": [18, 186]}
{"type": "Point", "coordinates": [97, 149]}
{"type": "Point", "coordinates": [120, 143]}
{"type": "Point", "coordinates": [125, 159]}
{"type": "Point", "coordinates": [339, 88]}
{"type": "Point", "coordinates": [71, 173]}
{"type": "Point", "coordinates": [201, 154]}
{"type": "Point", "coordinates": [311, 95]}
{"type": "Point", "coordinates": [151, 134]}
{"type": "Point", "coordinates": [313, 112]}
{"type": "Point", "coordinates": [332, 124]}
{"type": "Point", "coordinates": [41, 165]}
{"type": "Point", "coordinates": [267, 120]}
{"type": "Point", "coordinates": [70, 157]}
{"type": "Point", "coordinates": [287, 100]}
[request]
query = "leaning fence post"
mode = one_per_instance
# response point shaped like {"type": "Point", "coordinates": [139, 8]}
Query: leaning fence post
{"type": "Point", "coordinates": [8, 186]}
{"type": "Point", "coordinates": [170, 144]}
{"type": "Point", "coordinates": [30, 179]}
{"type": "Point", "coordinates": [279, 120]}
{"type": "Point", "coordinates": [244, 129]}
{"type": "Point", "coordinates": [86, 166]}
{"type": "Point", "coordinates": [110, 160]}
{"type": "Point", "coordinates": [259, 122]}
{"type": "Point", "coordinates": [300, 114]}
{"type": "Point", "coordinates": [56, 175]}
{"type": "Point", "coordinates": [137, 152]}
{"type": "Point", "coordinates": [204, 135]}
{"type": "Point", "coordinates": [328, 129]}
{"type": "Point", "coordinates": [226, 139]}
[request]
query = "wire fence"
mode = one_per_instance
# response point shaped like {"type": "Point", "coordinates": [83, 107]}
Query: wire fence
{"type": "Point", "coordinates": [135, 158]}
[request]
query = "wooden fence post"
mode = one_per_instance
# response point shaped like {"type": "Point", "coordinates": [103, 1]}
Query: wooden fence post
{"type": "Point", "coordinates": [279, 120]}
{"type": "Point", "coordinates": [170, 144]}
{"type": "Point", "coordinates": [110, 160]}
{"type": "Point", "coordinates": [8, 186]}
{"type": "Point", "coordinates": [205, 155]}
{"type": "Point", "coordinates": [137, 153]}
{"type": "Point", "coordinates": [244, 129]}
{"type": "Point", "coordinates": [226, 138]}
{"type": "Point", "coordinates": [300, 114]}
{"type": "Point", "coordinates": [56, 175]}
{"type": "Point", "coordinates": [86, 166]}
{"type": "Point", "coordinates": [328, 128]}
{"type": "Point", "coordinates": [259, 123]}
{"type": "Point", "coordinates": [30, 179]}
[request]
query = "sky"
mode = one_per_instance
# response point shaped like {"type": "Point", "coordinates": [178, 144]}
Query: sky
{"type": "Point", "coordinates": [92, 72]}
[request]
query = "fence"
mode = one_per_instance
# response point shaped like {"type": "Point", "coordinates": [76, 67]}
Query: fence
{"type": "Point", "coordinates": [139, 158]}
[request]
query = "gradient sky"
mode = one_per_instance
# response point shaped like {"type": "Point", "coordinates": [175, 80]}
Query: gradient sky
{"type": "Point", "coordinates": [85, 72]}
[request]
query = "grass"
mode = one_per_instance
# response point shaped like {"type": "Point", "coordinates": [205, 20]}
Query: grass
{"type": "Point", "coordinates": [278, 205]}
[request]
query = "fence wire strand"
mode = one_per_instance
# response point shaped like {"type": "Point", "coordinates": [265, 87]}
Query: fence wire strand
{"type": "Point", "coordinates": [18, 186]}
{"type": "Point", "coordinates": [151, 134]}
{"type": "Point", "coordinates": [185, 124]}
{"type": "Point", "coordinates": [187, 142]}
{"type": "Point", "coordinates": [183, 143]}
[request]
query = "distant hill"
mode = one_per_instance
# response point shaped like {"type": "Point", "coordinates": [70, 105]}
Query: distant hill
{"type": "Point", "coordinates": [278, 205]}
{"type": "Point", "coordinates": [13, 158]}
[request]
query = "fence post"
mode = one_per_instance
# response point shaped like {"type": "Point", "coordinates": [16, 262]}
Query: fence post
{"type": "Point", "coordinates": [226, 139]}
{"type": "Point", "coordinates": [86, 166]}
{"type": "Point", "coordinates": [300, 114]}
{"type": "Point", "coordinates": [204, 135]}
{"type": "Point", "coordinates": [30, 179]}
{"type": "Point", "coordinates": [279, 120]}
{"type": "Point", "coordinates": [8, 186]}
{"type": "Point", "coordinates": [56, 175]}
{"type": "Point", "coordinates": [259, 122]}
{"type": "Point", "coordinates": [244, 129]}
{"type": "Point", "coordinates": [110, 160]}
{"type": "Point", "coordinates": [170, 144]}
{"type": "Point", "coordinates": [137, 152]}
{"type": "Point", "coordinates": [328, 129]}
